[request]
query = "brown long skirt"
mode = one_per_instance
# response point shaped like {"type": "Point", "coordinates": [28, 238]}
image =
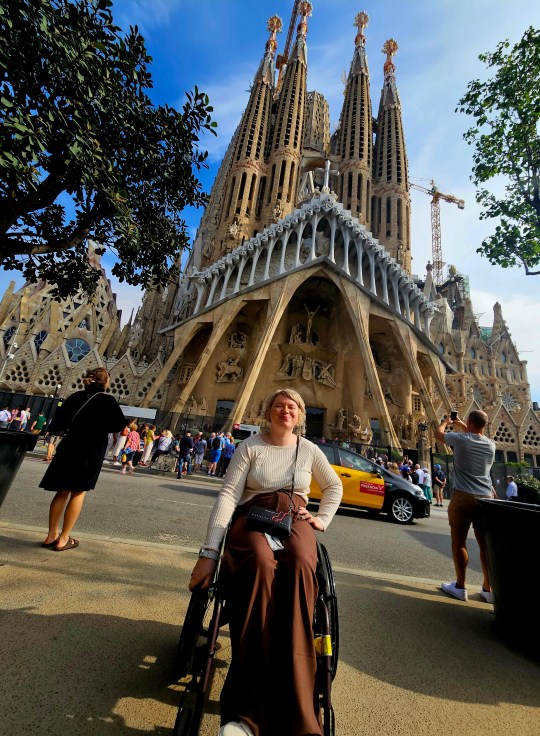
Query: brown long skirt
{"type": "Point", "coordinates": [271, 684]}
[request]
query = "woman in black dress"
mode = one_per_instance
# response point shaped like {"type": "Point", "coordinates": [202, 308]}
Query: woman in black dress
{"type": "Point", "coordinates": [87, 416]}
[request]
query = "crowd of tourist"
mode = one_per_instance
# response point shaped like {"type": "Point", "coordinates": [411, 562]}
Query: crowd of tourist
{"type": "Point", "coordinates": [142, 447]}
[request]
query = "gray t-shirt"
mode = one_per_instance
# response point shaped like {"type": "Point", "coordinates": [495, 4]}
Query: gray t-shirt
{"type": "Point", "coordinates": [473, 458]}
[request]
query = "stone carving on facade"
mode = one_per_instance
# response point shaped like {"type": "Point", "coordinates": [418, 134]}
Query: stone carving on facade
{"type": "Point", "coordinates": [307, 369]}
{"type": "Point", "coordinates": [341, 419]}
{"type": "Point", "coordinates": [389, 398]}
{"type": "Point", "coordinates": [297, 336]}
{"type": "Point", "coordinates": [237, 340]}
{"type": "Point", "coordinates": [356, 425]}
{"type": "Point", "coordinates": [278, 211]}
{"type": "Point", "coordinates": [285, 367]}
{"type": "Point", "coordinates": [311, 314]}
{"type": "Point", "coordinates": [367, 388]}
{"type": "Point", "coordinates": [203, 406]}
{"type": "Point", "coordinates": [325, 373]}
{"type": "Point", "coordinates": [191, 406]}
{"type": "Point", "coordinates": [228, 371]}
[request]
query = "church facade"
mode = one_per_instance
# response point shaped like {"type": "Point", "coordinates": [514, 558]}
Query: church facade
{"type": "Point", "coordinates": [300, 275]}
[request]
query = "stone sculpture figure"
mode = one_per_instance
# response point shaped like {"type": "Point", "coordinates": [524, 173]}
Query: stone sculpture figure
{"type": "Point", "coordinates": [326, 375]}
{"type": "Point", "coordinates": [356, 425]}
{"type": "Point", "coordinates": [285, 366]}
{"type": "Point", "coordinates": [307, 370]}
{"type": "Point", "coordinates": [297, 363]}
{"type": "Point", "coordinates": [190, 406]}
{"type": "Point", "coordinates": [229, 370]}
{"type": "Point", "coordinates": [389, 397]}
{"type": "Point", "coordinates": [203, 406]}
{"type": "Point", "coordinates": [310, 314]}
{"type": "Point", "coordinates": [341, 419]}
{"type": "Point", "coordinates": [296, 334]}
{"type": "Point", "coordinates": [237, 340]}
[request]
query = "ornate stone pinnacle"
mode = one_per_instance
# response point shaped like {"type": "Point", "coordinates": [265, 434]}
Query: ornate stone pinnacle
{"type": "Point", "coordinates": [361, 21]}
{"type": "Point", "coordinates": [275, 24]}
{"type": "Point", "coordinates": [305, 9]}
{"type": "Point", "coordinates": [390, 48]}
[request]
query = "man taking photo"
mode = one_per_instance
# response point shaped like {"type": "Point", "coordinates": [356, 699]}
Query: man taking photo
{"type": "Point", "coordinates": [474, 454]}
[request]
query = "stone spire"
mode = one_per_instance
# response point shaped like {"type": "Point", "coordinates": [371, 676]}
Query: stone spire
{"type": "Point", "coordinates": [390, 217]}
{"type": "Point", "coordinates": [285, 149]}
{"type": "Point", "coordinates": [241, 208]}
{"type": "Point", "coordinates": [356, 132]}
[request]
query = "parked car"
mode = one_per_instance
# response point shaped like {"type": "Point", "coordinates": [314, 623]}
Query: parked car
{"type": "Point", "coordinates": [369, 486]}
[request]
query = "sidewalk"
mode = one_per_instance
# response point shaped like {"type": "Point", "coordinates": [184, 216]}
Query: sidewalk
{"type": "Point", "coordinates": [88, 640]}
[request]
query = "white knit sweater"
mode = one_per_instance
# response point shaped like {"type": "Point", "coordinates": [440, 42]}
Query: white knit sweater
{"type": "Point", "coordinates": [257, 467]}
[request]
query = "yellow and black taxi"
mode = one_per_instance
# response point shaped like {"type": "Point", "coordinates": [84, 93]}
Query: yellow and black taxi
{"type": "Point", "coordinates": [369, 486]}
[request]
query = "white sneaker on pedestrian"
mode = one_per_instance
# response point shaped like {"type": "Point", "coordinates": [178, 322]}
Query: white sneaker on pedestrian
{"type": "Point", "coordinates": [454, 591]}
{"type": "Point", "coordinates": [235, 728]}
{"type": "Point", "coordinates": [117, 463]}
{"type": "Point", "coordinates": [487, 595]}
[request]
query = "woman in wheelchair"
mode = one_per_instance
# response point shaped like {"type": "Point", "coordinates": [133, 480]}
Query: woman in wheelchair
{"type": "Point", "coordinates": [269, 574]}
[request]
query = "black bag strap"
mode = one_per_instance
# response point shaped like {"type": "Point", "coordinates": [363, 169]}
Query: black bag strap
{"type": "Point", "coordinates": [294, 473]}
{"type": "Point", "coordinates": [82, 407]}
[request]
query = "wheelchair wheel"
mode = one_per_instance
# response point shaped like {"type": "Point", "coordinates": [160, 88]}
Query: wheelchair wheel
{"type": "Point", "coordinates": [327, 590]}
{"type": "Point", "coordinates": [183, 721]}
{"type": "Point", "coordinates": [191, 630]}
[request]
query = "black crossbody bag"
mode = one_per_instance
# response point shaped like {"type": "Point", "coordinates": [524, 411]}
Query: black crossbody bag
{"type": "Point", "coordinates": [276, 523]}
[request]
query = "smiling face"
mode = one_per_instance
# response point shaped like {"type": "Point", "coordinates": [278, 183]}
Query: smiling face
{"type": "Point", "coordinates": [284, 413]}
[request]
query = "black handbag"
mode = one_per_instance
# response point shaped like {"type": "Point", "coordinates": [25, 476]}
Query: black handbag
{"type": "Point", "coordinates": [275, 523]}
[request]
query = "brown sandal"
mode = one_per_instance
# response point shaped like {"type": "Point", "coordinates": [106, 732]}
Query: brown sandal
{"type": "Point", "coordinates": [70, 544]}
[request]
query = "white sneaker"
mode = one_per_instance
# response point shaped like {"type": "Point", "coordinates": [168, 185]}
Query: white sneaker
{"type": "Point", "coordinates": [117, 463]}
{"type": "Point", "coordinates": [235, 728]}
{"type": "Point", "coordinates": [487, 595]}
{"type": "Point", "coordinates": [454, 591]}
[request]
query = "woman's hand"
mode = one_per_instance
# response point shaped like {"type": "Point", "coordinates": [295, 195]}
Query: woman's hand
{"type": "Point", "coordinates": [203, 573]}
{"type": "Point", "coordinates": [304, 515]}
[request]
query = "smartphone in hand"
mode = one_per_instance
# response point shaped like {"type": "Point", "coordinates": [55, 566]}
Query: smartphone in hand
{"type": "Point", "coordinates": [453, 415]}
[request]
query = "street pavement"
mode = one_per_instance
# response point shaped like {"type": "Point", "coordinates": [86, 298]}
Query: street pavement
{"type": "Point", "coordinates": [89, 637]}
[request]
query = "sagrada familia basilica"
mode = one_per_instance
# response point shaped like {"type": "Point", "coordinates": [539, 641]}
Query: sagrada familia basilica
{"type": "Point", "coordinates": [300, 276]}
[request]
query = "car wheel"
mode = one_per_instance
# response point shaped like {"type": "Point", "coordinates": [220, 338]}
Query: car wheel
{"type": "Point", "coordinates": [401, 510]}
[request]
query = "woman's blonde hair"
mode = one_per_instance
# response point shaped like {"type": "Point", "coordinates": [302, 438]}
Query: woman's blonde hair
{"type": "Point", "coordinates": [133, 427]}
{"type": "Point", "coordinates": [96, 379]}
{"type": "Point", "coordinates": [293, 396]}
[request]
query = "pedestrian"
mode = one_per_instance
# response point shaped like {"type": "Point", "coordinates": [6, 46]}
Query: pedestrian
{"type": "Point", "coordinates": [25, 418]}
{"type": "Point", "coordinates": [120, 443]}
{"type": "Point", "coordinates": [511, 488]}
{"type": "Point", "coordinates": [199, 448]}
{"type": "Point", "coordinates": [184, 459]}
{"type": "Point", "coordinates": [163, 445]}
{"type": "Point", "coordinates": [215, 453]}
{"type": "Point", "coordinates": [39, 423]}
{"type": "Point", "coordinates": [427, 485]}
{"type": "Point", "coordinates": [439, 484]}
{"type": "Point", "coordinates": [474, 454]}
{"type": "Point", "coordinates": [131, 446]}
{"type": "Point", "coordinates": [86, 417]}
{"type": "Point", "coordinates": [5, 417]}
{"type": "Point", "coordinates": [227, 453]}
{"type": "Point", "coordinates": [51, 442]}
{"type": "Point", "coordinates": [15, 422]}
{"type": "Point", "coordinates": [271, 583]}
{"type": "Point", "coordinates": [149, 438]}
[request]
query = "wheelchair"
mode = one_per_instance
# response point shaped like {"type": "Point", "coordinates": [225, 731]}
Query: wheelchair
{"type": "Point", "coordinates": [195, 663]}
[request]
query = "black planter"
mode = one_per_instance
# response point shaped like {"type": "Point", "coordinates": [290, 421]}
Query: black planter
{"type": "Point", "coordinates": [513, 551]}
{"type": "Point", "coordinates": [13, 447]}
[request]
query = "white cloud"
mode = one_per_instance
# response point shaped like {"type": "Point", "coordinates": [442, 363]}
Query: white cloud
{"type": "Point", "coordinates": [146, 14]}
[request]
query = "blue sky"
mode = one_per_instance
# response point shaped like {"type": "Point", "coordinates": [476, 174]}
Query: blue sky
{"type": "Point", "coordinates": [217, 44]}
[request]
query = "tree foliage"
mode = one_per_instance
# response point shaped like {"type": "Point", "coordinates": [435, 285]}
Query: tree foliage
{"type": "Point", "coordinates": [506, 137]}
{"type": "Point", "coordinates": [85, 153]}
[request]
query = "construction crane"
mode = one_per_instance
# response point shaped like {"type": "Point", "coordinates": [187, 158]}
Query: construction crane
{"type": "Point", "coordinates": [282, 59]}
{"type": "Point", "coordinates": [436, 196]}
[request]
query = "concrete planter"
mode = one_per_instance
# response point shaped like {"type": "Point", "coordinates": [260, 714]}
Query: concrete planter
{"type": "Point", "coordinates": [513, 550]}
{"type": "Point", "coordinates": [13, 447]}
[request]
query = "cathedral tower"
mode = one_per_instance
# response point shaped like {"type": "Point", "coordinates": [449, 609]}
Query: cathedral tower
{"type": "Point", "coordinates": [354, 144]}
{"type": "Point", "coordinates": [390, 214]}
{"type": "Point", "coordinates": [241, 206]}
{"type": "Point", "coordinates": [285, 147]}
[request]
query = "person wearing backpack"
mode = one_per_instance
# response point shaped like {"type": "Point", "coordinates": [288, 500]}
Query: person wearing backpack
{"type": "Point", "coordinates": [215, 453]}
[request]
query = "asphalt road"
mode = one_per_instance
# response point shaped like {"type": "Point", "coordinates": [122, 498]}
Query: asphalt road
{"type": "Point", "coordinates": [158, 509]}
